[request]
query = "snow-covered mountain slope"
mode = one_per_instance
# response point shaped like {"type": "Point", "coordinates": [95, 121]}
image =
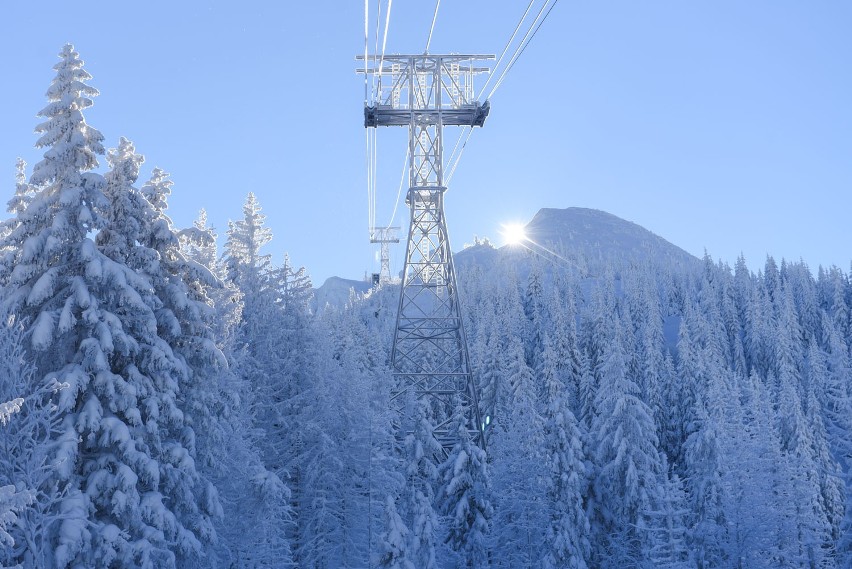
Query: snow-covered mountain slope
{"type": "Point", "coordinates": [574, 238]}
{"type": "Point", "coordinates": [582, 239]}
{"type": "Point", "coordinates": [335, 292]}
{"type": "Point", "coordinates": [599, 234]}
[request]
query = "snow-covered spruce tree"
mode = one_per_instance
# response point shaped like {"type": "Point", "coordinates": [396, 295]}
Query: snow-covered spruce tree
{"type": "Point", "coordinates": [261, 336]}
{"type": "Point", "coordinates": [569, 358]}
{"type": "Point", "coordinates": [626, 462]}
{"type": "Point", "coordinates": [199, 241]}
{"type": "Point", "coordinates": [806, 538]}
{"type": "Point", "coordinates": [318, 506]}
{"type": "Point", "coordinates": [666, 544]}
{"type": "Point", "coordinates": [422, 453]}
{"type": "Point", "coordinates": [752, 458]}
{"type": "Point", "coordinates": [130, 480]}
{"type": "Point", "coordinates": [835, 405]}
{"type": "Point", "coordinates": [703, 465]}
{"type": "Point", "coordinates": [538, 319]}
{"type": "Point", "coordinates": [185, 318]}
{"type": "Point", "coordinates": [279, 359]}
{"type": "Point", "coordinates": [596, 333]}
{"type": "Point", "coordinates": [247, 266]}
{"type": "Point", "coordinates": [146, 383]}
{"type": "Point", "coordinates": [44, 257]}
{"type": "Point", "coordinates": [26, 445]}
{"type": "Point", "coordinates": [198, 244]}
{"type": "Point", "coordinates": [567, 534]}
{"type": "Point", "coordinates": [393, 553]}
{"type": "Point", "coordinates": [12, 499]}
{"type": "Point", "coordinates": [465, 495]}
{"type": "Point", "coordinates": [255, 511]}
{"type": "Point", "coordinates": [18, 204]}
{"type": "Point", "coordinates": [515, 442]}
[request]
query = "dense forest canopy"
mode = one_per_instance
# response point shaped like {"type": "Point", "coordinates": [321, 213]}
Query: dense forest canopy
{"type": "Point", "coordinates": [162, 405]}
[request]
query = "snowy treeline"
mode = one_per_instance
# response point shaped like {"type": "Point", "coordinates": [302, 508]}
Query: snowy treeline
{"type": "Point", "coordinates": [707, 413]}
{"type": "Point", "coordinates": [162, 405]}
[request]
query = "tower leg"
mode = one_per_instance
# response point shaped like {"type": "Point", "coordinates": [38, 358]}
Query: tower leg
{"type": "Point", "coordinates": [430, 357]}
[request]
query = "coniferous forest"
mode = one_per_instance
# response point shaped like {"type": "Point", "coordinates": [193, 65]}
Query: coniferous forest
{"type": "Point", "coordinates": [170, 399]}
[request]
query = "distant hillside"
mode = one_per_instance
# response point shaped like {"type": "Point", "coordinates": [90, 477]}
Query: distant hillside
{"type": "Point", "coordinates": [583, 239]}
{"type": "Point", "coordinates": [601, 235]}
{"type": "Point", "coordinates": [335, 292]}
{"type": "Point", "coordinates": [574, 238]}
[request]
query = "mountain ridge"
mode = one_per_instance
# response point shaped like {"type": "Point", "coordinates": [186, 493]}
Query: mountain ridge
{"type": "Point", "coordinates": [582, 238]}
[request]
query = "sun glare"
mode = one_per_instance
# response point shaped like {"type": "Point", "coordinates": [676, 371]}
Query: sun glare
{"type": "Point", "coordinates": [513, 233]}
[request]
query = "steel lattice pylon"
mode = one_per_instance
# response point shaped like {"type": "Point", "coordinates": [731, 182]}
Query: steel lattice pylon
{"type": "Point", "coordinates": [384, 236]}
{"type": "Point", "coordinates": [430, 356]}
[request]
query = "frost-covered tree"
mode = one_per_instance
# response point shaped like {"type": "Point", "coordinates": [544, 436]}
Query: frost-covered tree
{"type": "Point", "coordinates": [198, 244]}
{"type": "Point", "coordinates": [129, 479]}
{"type": "Point", "coordinates": [666, 542]}
{"type": "Point", "coordinates": [255, 511]}
{"type": "Point", "coordinates": [422, 453]}
{"type": "Point", "coordinates": [464, 495]}
{"type": "Point", "coordinates": [47, 253]}
{"type": "Point", "coordinates": [520, 516]}
{"type": "Point", "coordinates": [567, 534]}
{"type": "Point", "coordinates": [12, 499]}
{"type": "Point", "coordinates": [394, 540]}
{"type": "Point", "coordinates": [626, 462]}
{"type": "Point", "coordinates": [247, 266]}
{"type": "Point", "coordinates": [26, 445]}
{"type": "Point", "coordinates": [18, 204]}
{"type": "Point", "coordinates": [703, 464]}
{"type": "Point", "coordinates": [752, 457]}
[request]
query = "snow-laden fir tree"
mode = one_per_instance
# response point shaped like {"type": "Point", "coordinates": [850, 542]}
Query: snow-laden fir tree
{"type": "Point", "coordinates": [129, 479]}
{"type": "Point", "coordinates": [703, 465]}
{"type": "Point", "coordinates": [261, 336]}
{"type": "Point", "coordinates": [465, 495]}
{"type": "Point", "coordinates": [256, 499]}
{"type": "Point", "coordinates": [256, 514]}
{"type": "Point", "coordinates": [666, 541]}
{"type": "Point", "coordinates": [198, 244]}
{"type": "Point", "coordinates": [247, 266]}
{"type": "Point", "coordinates": [519, 524]}
{"type": "Point", "coordinates": [18, 204]}
{"type": "Point", "coordinates": [393, 553]}
{"type": "Point", "coordinates": [567, 534]}
{"type": "Point", "coordinates": [12, 499]}
{"type": "Point", "coordinates": [26, 445]}
{"type": "Point", "coordinates": [626, 462]}
{"type": "Point", "coordinates": [752, 456]}
{"type": "Point", "coordinates": [422, 454]}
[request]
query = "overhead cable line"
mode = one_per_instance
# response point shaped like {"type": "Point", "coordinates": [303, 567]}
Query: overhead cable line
{"type": "Point", "coordinates": [376, 43]}
{"type": "Point", "coordinates": [519, 50]}
{"type": "Point", "coordinates": [367, 90]}
{"type": "Point", "coordinates": [506, 48]}
{"type": "Point", "coordinates": [432, 27]}
{"type": "Point", "coordinates": [384, 42]}
{"type": "Point", "coordinates": [453, 164]}
{"type": "Point", "coordinates": [399, 190]}
{"type": "Point", "coordinates": [456, 147]}
{"type": "Point", "coordinates": [523, 45]}
{"type": "Point", "coordinates": [366, 46]}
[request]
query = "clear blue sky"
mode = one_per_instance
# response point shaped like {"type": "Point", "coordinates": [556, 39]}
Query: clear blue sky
{"type": "Point", "coordinates": [723, 125]}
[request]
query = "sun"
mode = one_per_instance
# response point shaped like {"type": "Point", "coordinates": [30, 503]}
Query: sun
{"type": "Point", "coordinates": [513, 233]}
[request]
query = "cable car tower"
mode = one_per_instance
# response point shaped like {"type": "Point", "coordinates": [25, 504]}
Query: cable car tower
{"type": "Point", "coordinates": [384, 236]}
{"type": "Point", "coordinates": [430, 356]}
